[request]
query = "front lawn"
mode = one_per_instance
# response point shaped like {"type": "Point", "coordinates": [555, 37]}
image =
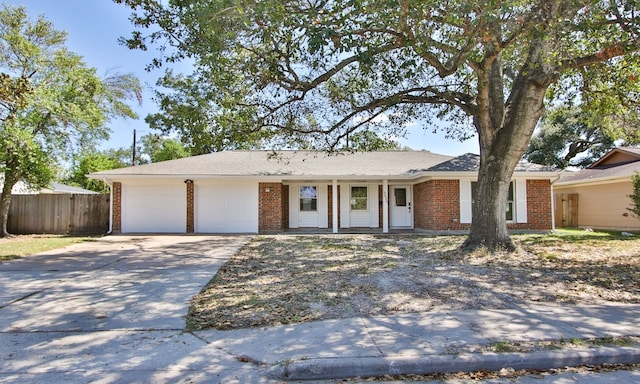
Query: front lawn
{"type": "Point", "coordinates": [284, 279]}
{"type": "Point", "coordinates": [16, 247]}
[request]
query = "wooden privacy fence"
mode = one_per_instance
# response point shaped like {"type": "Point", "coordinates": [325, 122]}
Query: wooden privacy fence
{"type": "Point", "coordinates": [59, 214]}
{"type": "Point", "coordinates": [566, 210]}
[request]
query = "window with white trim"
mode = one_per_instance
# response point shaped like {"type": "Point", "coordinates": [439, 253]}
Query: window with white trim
{"type": "Point", "coordinates": [510, 215]}
{"type": "Point", "coordinates": [359, 198]}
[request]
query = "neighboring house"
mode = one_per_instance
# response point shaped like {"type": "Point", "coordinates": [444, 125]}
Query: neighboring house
{"type": "Point", "coordinates": [598, 196]}
{"type": "Point", "coordinates": [21, 188]}
{"type": "Point", "coordinates": [58, 188]}
{"type": "Point", "coordinates": [267, 191]}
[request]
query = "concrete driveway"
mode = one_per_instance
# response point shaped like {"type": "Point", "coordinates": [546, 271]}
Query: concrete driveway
{"type": "Point", "coordinates": [113, 311]}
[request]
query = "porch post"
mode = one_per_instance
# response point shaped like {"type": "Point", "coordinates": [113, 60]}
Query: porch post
{"type": "Point", "coordinates": [385, 206]}
{"type": "Point", "coordinates": [334, 204]}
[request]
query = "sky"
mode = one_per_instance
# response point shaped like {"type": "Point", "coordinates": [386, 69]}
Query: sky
{"type": "Point", "coordinates": [93, 28]}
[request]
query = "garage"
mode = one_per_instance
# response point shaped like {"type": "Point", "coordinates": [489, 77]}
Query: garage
{"type": "Point", "coordinates": [157, 208]}
{"type": "Point", "coordinates": [226, 207]}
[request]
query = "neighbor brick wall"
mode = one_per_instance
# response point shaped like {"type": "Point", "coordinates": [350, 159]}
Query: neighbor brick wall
{"type": "Point", "coordinates": [271, 207]}
{"type": "Point", "coordinates": [190, 208]}
{"type": "Point", "coordinates": [116, 225]}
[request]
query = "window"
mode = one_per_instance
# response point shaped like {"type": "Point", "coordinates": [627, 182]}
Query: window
{"type": "Point", "coordinates": [359, 198]}
{"type": "Point", "coordinates": [510, 199]}
{"type": "Point", "coordinates": [510, 204]}
{"type": "Point", "coordinates": [401, 197]}
{"type": "Point", "coordinates": [308, 198]}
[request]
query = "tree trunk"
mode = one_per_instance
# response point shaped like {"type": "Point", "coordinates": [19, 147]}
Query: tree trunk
{"type": "Point", "coordinates": [489, 222]}
{"type": "Point", "coordinates": [5, 203]}
{"type": "Point", "coordinates": [504, 134]}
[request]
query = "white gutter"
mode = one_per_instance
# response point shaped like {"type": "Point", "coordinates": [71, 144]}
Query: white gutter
{"type": "Point", "coordinates": [553, 204]}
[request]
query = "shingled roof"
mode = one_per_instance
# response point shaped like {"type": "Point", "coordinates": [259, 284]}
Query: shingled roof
{"type": "Point", "coordinates": [603, 171]}
{"type": "Point", "coordinates": [304, 164]}
{"type": "Point", "coordinates": [471, 163]}
{"type": "Point", "coordinates": [288, 163]}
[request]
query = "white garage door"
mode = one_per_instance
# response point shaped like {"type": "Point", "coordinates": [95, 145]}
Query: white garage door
{"type": "Point", "coordinates": [226, 207]}
{"type": "Point", "coordinates": [158, 208]}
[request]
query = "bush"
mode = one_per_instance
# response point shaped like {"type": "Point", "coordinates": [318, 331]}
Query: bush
{"type": "Point", "coordinates": [635, 197]}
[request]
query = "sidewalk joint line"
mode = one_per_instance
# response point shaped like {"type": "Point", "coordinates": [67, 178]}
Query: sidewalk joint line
{"type": "Point", "coordinates": [366, 329]}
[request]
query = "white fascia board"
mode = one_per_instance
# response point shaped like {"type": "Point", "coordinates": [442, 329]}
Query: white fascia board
{"type": "Point", "coordinates": [595, 181]}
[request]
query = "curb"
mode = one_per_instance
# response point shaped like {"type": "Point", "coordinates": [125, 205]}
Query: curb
{"type": "Point", "coordinates": [343, 368]}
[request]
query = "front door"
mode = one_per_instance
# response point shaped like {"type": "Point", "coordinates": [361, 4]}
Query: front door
{"type": "Point", "coordinates": [400, 205]}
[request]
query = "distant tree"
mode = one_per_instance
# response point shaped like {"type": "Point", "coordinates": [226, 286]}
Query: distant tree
{"type": "Point", "coordinates": [159, 148]}
{"type": "Point", "coordinates": [569, 136]}
{"type": "Point", "coordinates": [60, 103]}
{"type": "Point", "coordinates": [93, 161]}
{"type": "Point", "coordinates": [190, 107]}
{"type": "Point", "coordinates": [316, 72]}
{"type": "Point", "coordinates": [370, 141]}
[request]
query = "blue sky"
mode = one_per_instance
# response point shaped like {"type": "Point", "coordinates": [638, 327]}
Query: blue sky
{"type": "Point", "coordinates": [93, 28]}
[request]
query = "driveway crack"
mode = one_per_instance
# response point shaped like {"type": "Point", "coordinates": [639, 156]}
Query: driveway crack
{"type": "Point", "coordinates": [23, 298]}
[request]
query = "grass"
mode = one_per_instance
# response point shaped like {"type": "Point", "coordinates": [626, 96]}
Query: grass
{"type": "Point", "coordinates": [24, 245]}
{"type": "Point", "coordinates": [574, 236]}
{"type": "Point", "coordinates": [530, 346]}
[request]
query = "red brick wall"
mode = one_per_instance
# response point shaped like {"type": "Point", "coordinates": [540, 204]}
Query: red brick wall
{"type": "Point", "coordinates": [116, 225]}
{"type": "Point", "coordinates": [285, 207]}
{"type": "Point", "coordinates": [538, 206]}
{"type": "Point", "coordinates": [380, 197]}
{"type": "Point", "coordinates": [190, 208]}
{"type": "Point", "coordinates": [271, 207]}
{"type": "Point", "coordinates": [437, 206]}
{"type": "Point", "coordinates": [330, 205]}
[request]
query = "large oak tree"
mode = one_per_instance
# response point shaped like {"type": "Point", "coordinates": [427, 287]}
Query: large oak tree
{"type": "Point", "coordinates": [314, 72]}
{"type": "Point", "coordinates": [51, 102]}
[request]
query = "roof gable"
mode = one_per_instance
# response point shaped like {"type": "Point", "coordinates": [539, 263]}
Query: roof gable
{"type": "Point", "coordinates": [617, 164]}
{"type": "Point", "coordinates": [618, 156]}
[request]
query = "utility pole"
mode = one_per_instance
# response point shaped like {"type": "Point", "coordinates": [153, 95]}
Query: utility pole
{"type": "Point", "coordinates": [133, 158]}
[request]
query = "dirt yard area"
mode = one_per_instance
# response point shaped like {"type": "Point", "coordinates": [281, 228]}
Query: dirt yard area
{"type": "Point", "coordinates": [283, 279]}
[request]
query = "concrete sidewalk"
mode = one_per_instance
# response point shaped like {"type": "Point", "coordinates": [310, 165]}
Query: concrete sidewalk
{"type": "Point", "coordinates": [433, 342]}
{"type": "Point", "coordinates": [112, 311]}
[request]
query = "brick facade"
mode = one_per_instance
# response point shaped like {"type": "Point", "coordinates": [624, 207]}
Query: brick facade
{"type": "Point", "coordinates": [116, 225]}
{"type": "Point", "coordinates": [272, 206]}
{"type": "Point", "coordinates": [538, 206]}
{"type": "Point", "coordinates": [437, 206]}
{"type": "Point", "coordinates": [190, 207]}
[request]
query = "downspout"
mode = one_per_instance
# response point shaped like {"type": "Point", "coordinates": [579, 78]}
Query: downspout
{"type": "Point", "coordinates": [104, 180]}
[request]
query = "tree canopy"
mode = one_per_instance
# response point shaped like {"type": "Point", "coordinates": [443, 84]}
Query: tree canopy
{"type": "Point", "coordinates": [159, 148]}
{"type": "Point", "coordinates": [93, 161]}
{"type": "Point", "coordinates": [569, 136]}
{"type": "Point", "coordinates": [314, 72]}
{"type": "Point", "coordinates": [51, 102]}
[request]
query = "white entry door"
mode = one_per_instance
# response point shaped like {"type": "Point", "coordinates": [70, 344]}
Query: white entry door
{"type": "Point", "coordinates": [401, 209]}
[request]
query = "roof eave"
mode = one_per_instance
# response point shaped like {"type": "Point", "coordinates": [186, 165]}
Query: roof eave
{"type": "Point", "coordinates": [595, 180]}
